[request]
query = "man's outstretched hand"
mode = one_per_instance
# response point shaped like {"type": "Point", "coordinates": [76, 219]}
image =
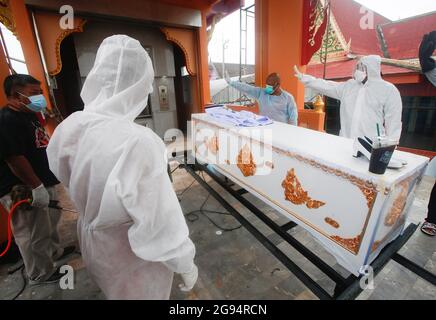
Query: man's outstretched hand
{"type": "Point", "coordinates": [227, 77]}
{"type": "Point", "coordinates": [297, 73]}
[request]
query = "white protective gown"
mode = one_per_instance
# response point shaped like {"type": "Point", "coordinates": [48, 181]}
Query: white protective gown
{"type": "Point", "coordinates": [363, 106]}
{"type": "Point", "coordinates": [132, 231]}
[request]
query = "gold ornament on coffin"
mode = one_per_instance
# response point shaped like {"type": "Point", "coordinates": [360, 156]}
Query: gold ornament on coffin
{"type": "Point", "coordinates": [396, 216]}
{"type": "Point", "coordinates": [6, 16]}
{"type": "Point", "coordinates": [332, 222]}
{"type": "Point", "coordinates": [400, 202]}
{"type": "Point", "coordinates": [295, 193]}
{"type": "Point", "coordinates": [398, 206]}
{"type": "Point", "coordinates": [369, 192]}
{"type": "Point", "coordinates": [351, 244]}
{"type": "Point", "coordinates": [245, 162]}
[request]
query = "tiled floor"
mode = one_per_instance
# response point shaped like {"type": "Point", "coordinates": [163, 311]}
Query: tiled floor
{"type": "Point", "coordinates": [234, 265]}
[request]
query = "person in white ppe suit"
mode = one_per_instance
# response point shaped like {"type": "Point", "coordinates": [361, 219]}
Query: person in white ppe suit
{"type": "Point", "coordinates": [132, 232]}
{"type": "Point", "coordinates": [366, 100]}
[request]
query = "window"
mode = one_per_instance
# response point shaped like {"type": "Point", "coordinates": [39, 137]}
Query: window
{"type": "Point", "coordinates": [13, 51]}
{"type": "Point", "coordinates": [419, 123]}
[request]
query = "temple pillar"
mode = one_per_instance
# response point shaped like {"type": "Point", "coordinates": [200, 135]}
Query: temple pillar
{"type": "Point", "coordinates": [203, 61]}
{"type": "Point", "coordinates": [279, 30]}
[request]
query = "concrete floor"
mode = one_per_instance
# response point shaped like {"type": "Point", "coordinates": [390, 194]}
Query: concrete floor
{"type": "Point", "coordinates": [234, 265]}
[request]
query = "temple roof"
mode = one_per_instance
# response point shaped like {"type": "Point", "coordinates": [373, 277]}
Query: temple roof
{"type": "Point", "coordinates": [403, 37]}
{"type": "Point", "coordinates": [390, 39]}
{"type": "Point", "coordinates": [344, 70]}
{"type": "Point", "coordinates": [363, 41]}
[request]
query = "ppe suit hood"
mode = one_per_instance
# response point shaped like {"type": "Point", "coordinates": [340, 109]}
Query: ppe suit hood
{"type": "Point", "coordinates": [364, 105]}
{"type": "Point", "coordinates": [121, 79]}
{"type": "Point", "coordinates": [373, 66]}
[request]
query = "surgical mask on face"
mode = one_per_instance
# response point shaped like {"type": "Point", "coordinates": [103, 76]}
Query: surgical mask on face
{"type": "Point", "coordinates": [359, 75]}
{"type": "Point", "coordinates": [269, 89]}
{"type": "Point", "coordinates": [37, 102]}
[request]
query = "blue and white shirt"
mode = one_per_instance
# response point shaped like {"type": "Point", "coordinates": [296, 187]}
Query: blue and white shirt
{"type": "Point", "coordinates": [280, 108]}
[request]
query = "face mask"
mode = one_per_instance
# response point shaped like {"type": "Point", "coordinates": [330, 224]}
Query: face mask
{"type": "Point", "coordinates": [359, 75]}
{"type": "Point", "coordinates": [37, 103]}
{"type": "Point", "coordinates": [269, 89]}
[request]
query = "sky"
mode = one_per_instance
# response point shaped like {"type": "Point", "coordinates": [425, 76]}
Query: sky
{"type": "Point", "coordinates": [228, 28]}
{"type": "Point", "coordinates": [399, 9]}
{"type": "Point", "coordinates": [14, 50]}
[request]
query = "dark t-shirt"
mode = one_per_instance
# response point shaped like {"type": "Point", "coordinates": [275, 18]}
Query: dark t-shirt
{"type": "Point", "coordinates": [22, 134]}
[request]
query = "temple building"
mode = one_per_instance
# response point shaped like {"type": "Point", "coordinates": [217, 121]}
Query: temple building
{"type": "Point", "coordinates": [397, 42]}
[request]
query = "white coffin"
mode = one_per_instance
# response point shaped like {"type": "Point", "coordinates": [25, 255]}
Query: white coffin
{"type": "Point", "coordinates": [313, 179]}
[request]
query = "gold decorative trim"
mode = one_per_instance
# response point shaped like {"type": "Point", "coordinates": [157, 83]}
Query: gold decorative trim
{"type": "Point", "coordinates": [6, 16]}
{"type": "Point", "coordinates": [295, 193]}
{"type": "Point", "coordinates": [59, 40]}
{"type": "Point", "coordinates": [377, 243]}
{"type": "Point", "coordinates": [345, 45]}
{"type": "Point", "coordinates": [398, 205]}
{"type": "Point", "coordinates": [352, 244]}
{"type": "Point", "coordinates": [176, 41]}
{"type": "Point", "coordinates": [399, 219]}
